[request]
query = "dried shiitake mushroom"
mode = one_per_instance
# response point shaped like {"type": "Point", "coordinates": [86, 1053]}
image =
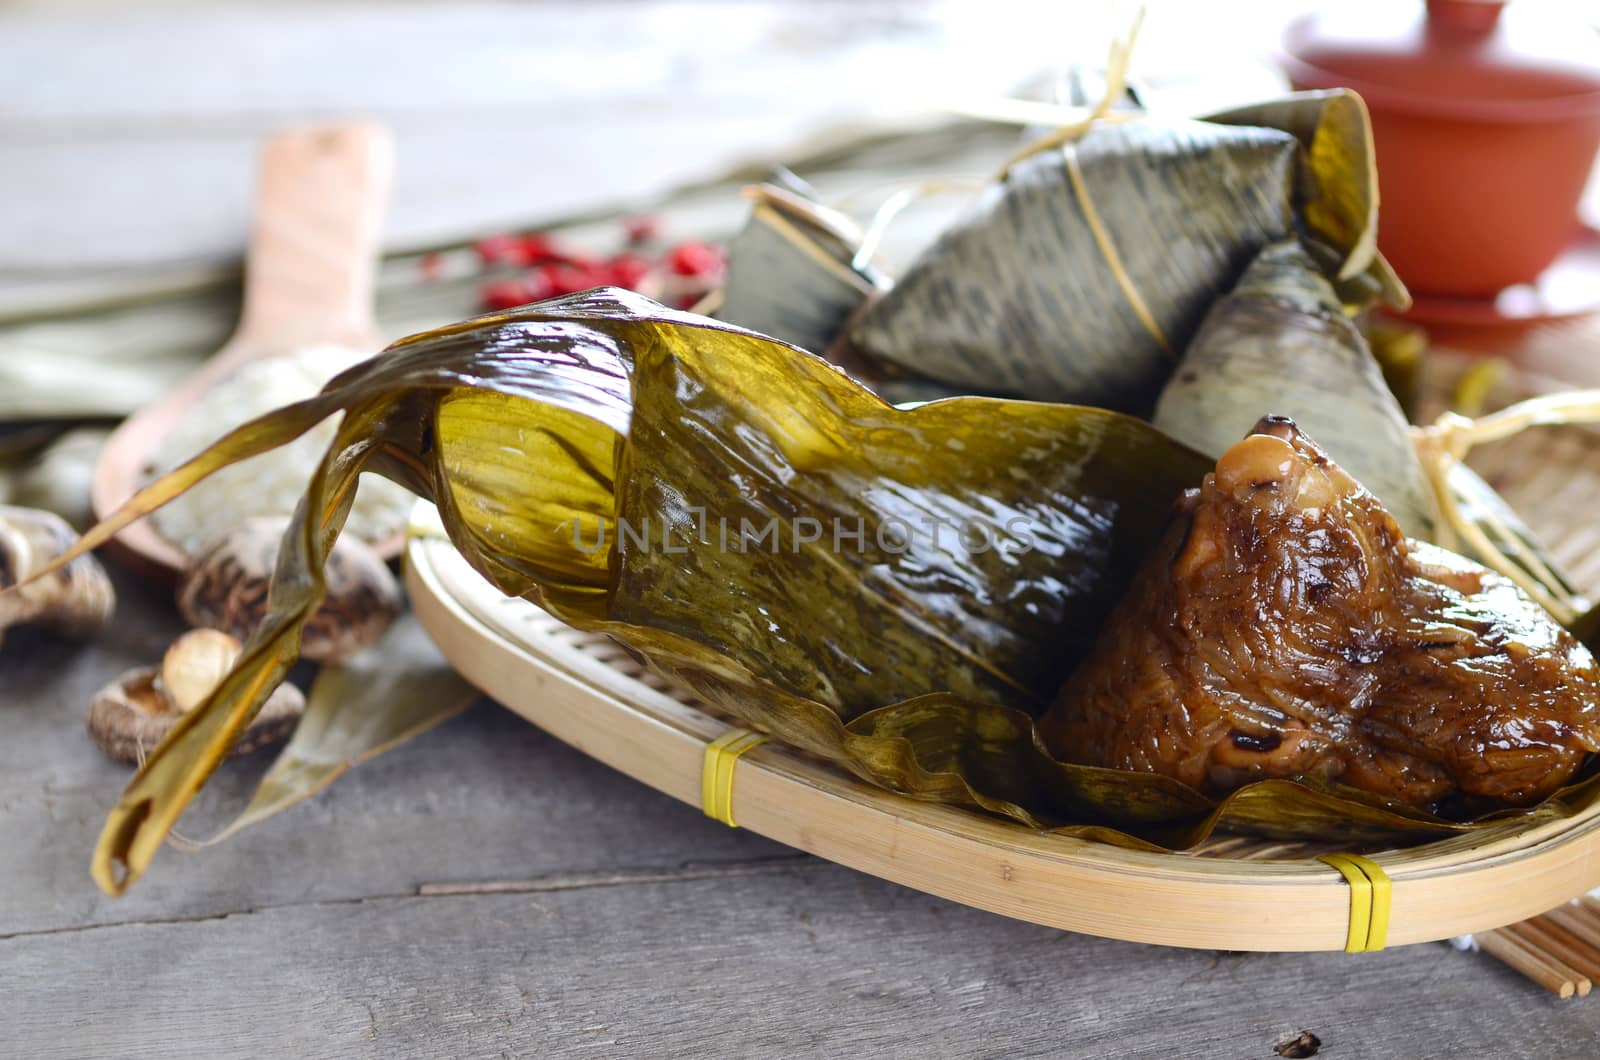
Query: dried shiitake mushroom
{"type": "Point", "coordinates": [225, 587]}
{"type": "Point", "coordinates": [75, 601]}
{"type": "Point", "coordinates": [135, 712]}
{"type": "Point", "coordinates": [195, 665]}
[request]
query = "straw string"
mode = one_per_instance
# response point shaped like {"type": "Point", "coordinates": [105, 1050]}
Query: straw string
{"type": "Point", "coordinates": [1445, 444]}
{"type": "Point", "coordinates": [1065, 138]}
{"type": "Point", "coordinates": [892, 207]}
{"type": "Point", "coordinates": [1116, 86]}
{"type": "Point", "coordinates": [1108, 250]}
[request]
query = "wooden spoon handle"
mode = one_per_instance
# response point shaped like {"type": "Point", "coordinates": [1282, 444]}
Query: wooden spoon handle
{"type": "Point", "coordinates": [310, 269]}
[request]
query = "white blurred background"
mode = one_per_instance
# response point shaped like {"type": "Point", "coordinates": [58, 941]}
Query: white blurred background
{"type": "Point", "coordinates": [127, 129]}
{"type": "Point", "coordinates": [144, 117]}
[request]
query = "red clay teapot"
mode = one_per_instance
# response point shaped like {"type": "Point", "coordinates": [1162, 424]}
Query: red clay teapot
{"type": "Point", "coordinates": [1486, 118]}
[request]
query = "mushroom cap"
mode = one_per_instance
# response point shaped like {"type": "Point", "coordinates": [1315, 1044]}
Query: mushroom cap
{"type": "Point", "coordinates": [225, 587]}
{"type": "Point", "coordinates": [130, 716]}
{"type": "Point", "coordinates": [195, 665]}
{"type": "Point", "coordinates": [75, 601]}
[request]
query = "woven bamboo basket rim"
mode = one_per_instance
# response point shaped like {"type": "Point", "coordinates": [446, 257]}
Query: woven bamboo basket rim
{"type": "Point", "coordinates": [1232, 893]}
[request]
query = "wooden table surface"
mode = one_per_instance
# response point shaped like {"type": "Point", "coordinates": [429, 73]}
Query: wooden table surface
{"type": "Point", "coordinates": [638, 926]}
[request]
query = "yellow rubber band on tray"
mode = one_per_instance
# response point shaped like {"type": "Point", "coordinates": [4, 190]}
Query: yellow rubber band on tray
{"type": "Point", "coordinates": [1369, 901]}
{"type": "Point", "coordinates": [716, 776]}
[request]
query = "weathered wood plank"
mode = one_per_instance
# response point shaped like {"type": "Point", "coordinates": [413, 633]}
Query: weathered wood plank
{"type": "Point", "coordinates": [810, 960]}
{"type": "Point", "coordinates": [125, 142]}
{"type": "Point", "coordinates": [645, 927]}
{"type": "Point", "coordinates": [485, 796]}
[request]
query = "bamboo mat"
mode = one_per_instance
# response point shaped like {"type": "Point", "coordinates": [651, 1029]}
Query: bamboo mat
{"type": "Point", "coordinates": [1551, 476]}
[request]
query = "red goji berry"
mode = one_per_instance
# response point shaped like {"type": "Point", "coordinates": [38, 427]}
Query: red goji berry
{"type": "Point", "coordinates": [541, 248]}
{"type": "Point", "coordinates": [627, 270]}
{"type": "Point", "coordinates": [642, 229]}
{"type": "Point", "coordinates": [506, 294]}
{"type": "Point", "coordinates": [695, 259]}
{"type": "Point", "coordinates": [579, 260]}
{"type": "Point", "coordinates": [565, 278]}
{"type": "Point", "coordinates": [538, 286]}
{"type": "Point", "coordinates": [502, 250]}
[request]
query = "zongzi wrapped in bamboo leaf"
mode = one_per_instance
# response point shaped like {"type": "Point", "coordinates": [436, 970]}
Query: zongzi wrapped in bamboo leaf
{"type": "Point", "coordinates": [899, 592]}
{"type": "Point", "coordinates": [740, 513]}
{"type": "Point", "coordinates": [1281, 342]}
{"type": "Point", "coordinates": [1337, 193]}
{"type": "Point", "coordinates": [1023, 298]}
{"type": "Point", "coordinates": [1084, 271]}
{"type": "Point", "coordinates": [790, 273]}
{"type": "Point", "coordinates": [1286, 628]}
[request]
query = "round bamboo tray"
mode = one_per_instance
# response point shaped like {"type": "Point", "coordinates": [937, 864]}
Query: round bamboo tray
{"type": "Point", "coordinates": [1232, 893]}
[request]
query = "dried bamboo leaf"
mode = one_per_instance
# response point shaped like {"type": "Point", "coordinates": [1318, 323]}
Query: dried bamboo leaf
{"type": "Point", "coordinates": [398, 689]}
{"type": "Point", "coordinates": [917, 668]}
{"type": "Point", "coordinates": [789, 271]}
{"type": "Point", "coordinates": [1337, 193]}
{"type": "Point", "coordinates": [1082, 274]}
{"type": "Point", "coordinates": [1515, 542]}
{"type": "Point", "coordinates": [1280, 344]}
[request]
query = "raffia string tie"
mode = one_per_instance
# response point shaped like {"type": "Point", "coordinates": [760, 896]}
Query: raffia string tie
{"type": "Point", "coordinates": [892, 207]}
{"type": "Point", "coordinates": [1108, 250]}
{"type": "Point", "coordinates": [1065, 138]}
{"type": "Point", "coordinates": [1446, 443]}
{"type": "Point", "coordinates": [1116, 85]}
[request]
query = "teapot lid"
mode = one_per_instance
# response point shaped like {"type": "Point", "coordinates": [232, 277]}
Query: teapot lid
{"type": "Point", "coordinates": [1481, 59]}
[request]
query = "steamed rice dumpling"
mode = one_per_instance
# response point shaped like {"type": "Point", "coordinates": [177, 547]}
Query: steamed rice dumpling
{"type": "Point", "coordinates": [1018, 298]}
{"type": "Point", "coordinates": [901, 593]}
{"type": "Point", "coordinates": [1083, 272]}
{"type": "Point", "coordinates": [1281, 340]}
{"type": "Point", "coordinates": [1286, 628]}
{"type": "Point", "coordinates": [790, 273]}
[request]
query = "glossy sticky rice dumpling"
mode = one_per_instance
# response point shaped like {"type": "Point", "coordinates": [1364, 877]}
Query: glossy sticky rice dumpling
{"type": "Point", "coordinates": [1286, 628]}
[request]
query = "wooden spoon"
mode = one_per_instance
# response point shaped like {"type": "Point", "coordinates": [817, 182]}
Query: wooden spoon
{"type": "Point", "coordinates": [309, 279]}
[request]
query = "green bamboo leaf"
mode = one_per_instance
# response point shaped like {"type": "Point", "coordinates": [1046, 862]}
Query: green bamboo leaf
{"type": "Point", "coordinates": [917, 664]}
{"type": "Point", "coordinates": [1337, 189]}
{"type": "Point", "coordinates": [1084, 272]}
{"type": "Point", "coordinates": [398, 689]}
{"type": "Point", "coordinates": [1280, 343]}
